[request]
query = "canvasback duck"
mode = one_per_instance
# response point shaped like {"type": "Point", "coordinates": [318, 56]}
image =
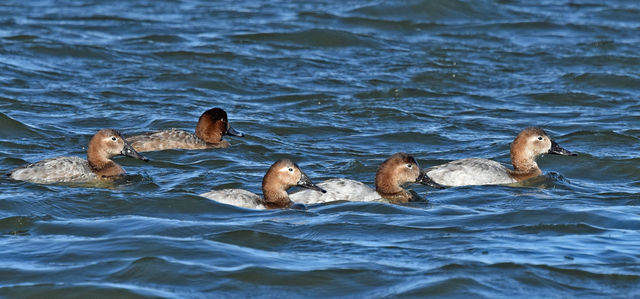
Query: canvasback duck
{"type": "Point", "coordinates": [392, 174]}
{"type": "Point", "coordinates": [104, 145]}
{"type": "Point", "coordinates": [528, 145]}
{"type": "Point", "coordinates": [212, 125]}
{"type": "Point", "coordinates": [281, 176]}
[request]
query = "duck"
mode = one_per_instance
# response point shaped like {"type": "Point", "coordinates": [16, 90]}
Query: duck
{"type": "Point", "coordinates": [104, 145]}
{"type": "Point", "coordinates": [397, 170]}
{"type": "Point", "coordinates": [528, 145]}
{"type": "Point", "coordinates": [212, 126]}
{"type": "Point", "coordinates": [281, 176]}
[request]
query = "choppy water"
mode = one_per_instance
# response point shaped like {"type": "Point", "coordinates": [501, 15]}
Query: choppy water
{"type": "Point", "coordinates": [337, 86]}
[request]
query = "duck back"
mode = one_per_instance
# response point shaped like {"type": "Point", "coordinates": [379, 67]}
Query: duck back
{"type": "Point", "coordinates": [236, 197]}
{"type": "Point", "coordinates": [470, 171]}
{"type": "Point", "coordinates": [337, 190]}
{"type": "Point", "coordinates": [55, 170]}
{"type": "Point", "coordinates": [167, 139]}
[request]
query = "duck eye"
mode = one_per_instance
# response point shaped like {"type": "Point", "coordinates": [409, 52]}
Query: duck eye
{"type": "Point", "coordinates": [290, 169]}
{"type": "Point", "coordinates": [539, 137]}
{"type": "Point", "coordinates": [409, 165]}
{"type": "Point", "coordinates": [114, 139]}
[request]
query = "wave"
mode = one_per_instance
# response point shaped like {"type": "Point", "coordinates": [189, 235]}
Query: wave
{"type": "Point", "coordinates": [13, 129]}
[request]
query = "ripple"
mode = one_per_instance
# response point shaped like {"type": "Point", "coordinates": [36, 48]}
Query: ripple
{"type": "Point", "coordinates": [21, 37]}
{"type": "Point", "coordinates": [16, 225]}
{"type": "Point", "coordinates": [313, 38]}
{"type": "Point", "coordinates": [606, 81]}
{"type": "Point", "coordinates": [81, 290]}
{"type": "Point", "coordinates": [561, 229]}
{"type": "Point", "coordinates": [158, 38]}
{"type": "Point", "coordinates": [63, 50]}
{"type": "Point", "coordinates": [442, 11]}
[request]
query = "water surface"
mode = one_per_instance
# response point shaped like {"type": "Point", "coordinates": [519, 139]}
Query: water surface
{"type": "Point", "coordinates": [337, 86]}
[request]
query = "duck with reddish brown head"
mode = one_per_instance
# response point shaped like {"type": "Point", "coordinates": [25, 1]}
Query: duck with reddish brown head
{"type": "Point", "coordinates": [280, 177]}
{"type": "Point", "coordinates": [398, 170]}
{"type": "Point", "coordinates": [530, 143]}
{"type": "Point", "coordinates": [212, 126]}
{"type": "Point", "coordinates": [104, 145]}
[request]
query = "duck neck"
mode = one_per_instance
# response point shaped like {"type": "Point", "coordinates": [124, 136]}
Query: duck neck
{"type": "Point", "coordinates": [390, 189]}
{"type": "Point", "coordinates": [524, 166]}
{"type": "Point", "coordinates": [398, 197]}
{"type": "Point", "coordinates": [279, 205]}
{"type": "Point", "coordinates": [101, 165]}
{"type": "Point", "coordinates": [275, 195]}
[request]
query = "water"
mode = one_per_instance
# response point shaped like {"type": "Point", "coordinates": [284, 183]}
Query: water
{"type": "Point", "coordinates": [337, 86]}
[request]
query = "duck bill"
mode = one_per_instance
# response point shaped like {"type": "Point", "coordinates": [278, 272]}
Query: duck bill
{"type": "Point", "coordinates": [305, 182]}
{"type": "Point", "coordinates": [232, 132]}
{"type": "Point", "coordinates": [128, 151]}
{"type": "Point", "coordinates": [556, 149]}
{"type": "Point", "coordinates": [424, 179]}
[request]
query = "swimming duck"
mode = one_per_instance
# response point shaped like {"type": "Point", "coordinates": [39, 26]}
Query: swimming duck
{"type": "Point", "coordinates": [392, 174]}
{"type": "Point", "coordinates": [281, 176]}
{"type": "Point", "coordinates": [212, 125]}
{"type": "Point", "coordinates": [528, 145]}
{"type": "Point", "coordinates": [104, 145]}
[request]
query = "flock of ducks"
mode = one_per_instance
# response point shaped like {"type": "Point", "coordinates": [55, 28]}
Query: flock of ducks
{"type": "Point", "coordinates": [395, 172]}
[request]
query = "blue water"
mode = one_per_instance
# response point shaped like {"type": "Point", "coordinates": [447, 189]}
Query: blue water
{"type": "Point", "coordinates": [337, 86]}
